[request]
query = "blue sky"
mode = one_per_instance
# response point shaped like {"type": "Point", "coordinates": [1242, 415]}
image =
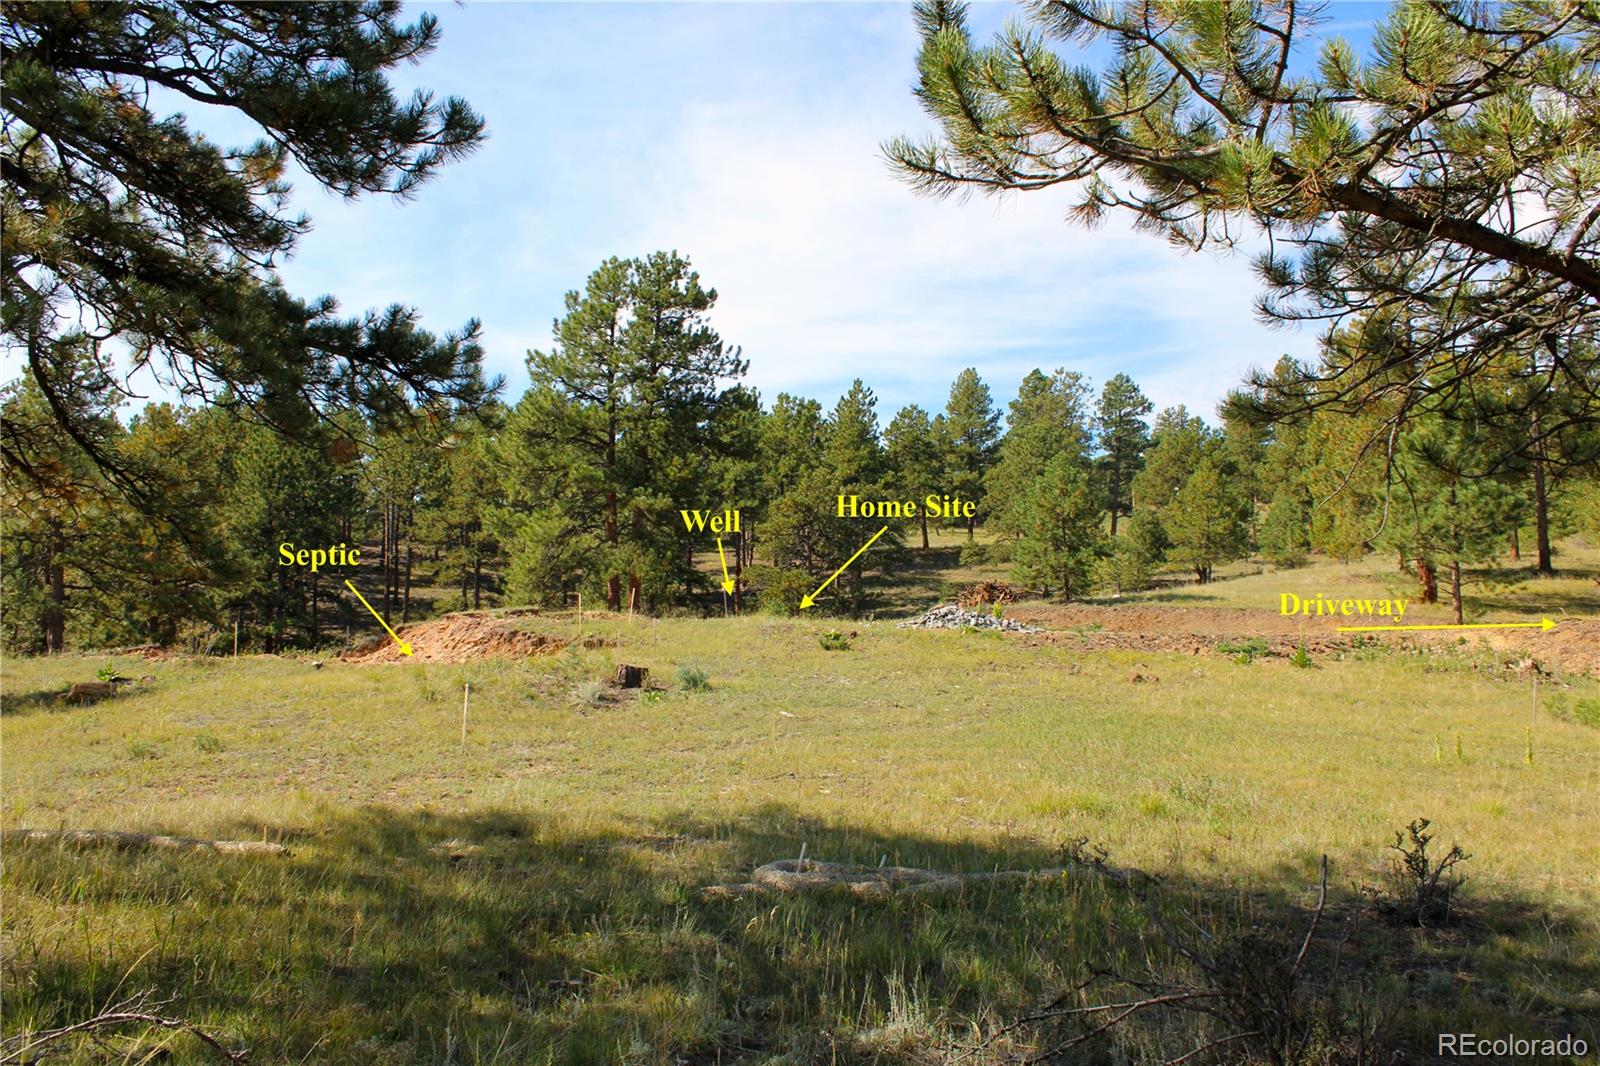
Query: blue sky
{"type": "Point", "coordinates": [747, 137]}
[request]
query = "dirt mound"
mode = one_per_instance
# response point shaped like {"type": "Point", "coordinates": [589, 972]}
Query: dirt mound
{"type": "Point", "coordinates": [466, 636]}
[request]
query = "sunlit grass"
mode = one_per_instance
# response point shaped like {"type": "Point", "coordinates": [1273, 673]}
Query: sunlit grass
{"type": "Point", "coordinates": [533, 892]}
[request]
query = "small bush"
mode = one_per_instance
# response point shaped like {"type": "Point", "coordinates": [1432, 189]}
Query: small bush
{"type": "Point", "coordinates": [693, 678]}
{"type": "Point", "coordinates": [106, 673]}
{"type": "Point", "coordinates": [594, 693]}
{"type": "Point", "coordinates": [1245, 651]}
{"type": "Point", "coordinates": [143, 749]}
{"type": "Point", "coordinates": [1422, 889]}
{"type": "Point", "coordinates": [833, 640]}
{"type": "Point", "coordinates": [1301, 659]}
{"type": "Point", "coordinates": [207, 742]}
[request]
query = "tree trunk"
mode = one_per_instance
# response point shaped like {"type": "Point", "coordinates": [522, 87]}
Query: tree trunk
{"type": "Point", "coordinates": [405, 603]}
{"type": "Point", "coordinates": [1401, 562]}
{"type": "Point", "coordinates": [477, 581]}
{"type": "Point", "coordinates": [1428, 579]}
{"type": "Point", "coordinates": [55, 617]}
{"type": "Point", "coordinates": [383, 560]}
{"type": "Point", "coordinates": [614, 582]}
{"type": "Point", "coordinates": [738, 570]}
{"type": "Point", "coordinates": [1455, 588]}
{"type": "Point", "coordinates": [924, 513]}
{"type": "Point", "coordinates": [316, 631]}
{"type": "Point", "coordinates": [1516, 547]}
{"type": "Point", "coordinates": [1541, 508]}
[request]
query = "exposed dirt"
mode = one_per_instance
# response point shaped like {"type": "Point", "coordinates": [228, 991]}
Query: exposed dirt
{"type": "Point", "coordinates": [1572, 647]}
{"type": "Point", "coordinates": [465, 636]}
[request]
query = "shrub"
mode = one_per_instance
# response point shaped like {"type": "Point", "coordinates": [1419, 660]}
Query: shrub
{"type": "Point", "coordinates": [594, 693]}
{"type": "Point", "coordinates": [779, 590]}
{"type": "Point", "coordinates": [1301, 659]}
{"type": "Point", "coordinates": [693, 678]}
{"type": "Point", "coordinates": [833, 640]}
{"type": "Point", "coordinates": [1245, 651]}
{"type": "Point", "coordinates": [207, 742]}
{"type": "Point", "coordinates": [1421, 888]}
{"type": "Point", "coordinates": [143, 749]}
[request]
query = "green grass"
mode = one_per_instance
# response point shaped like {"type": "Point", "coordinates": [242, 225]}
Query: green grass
{"type": "Point", "coordinates": [532, 896]}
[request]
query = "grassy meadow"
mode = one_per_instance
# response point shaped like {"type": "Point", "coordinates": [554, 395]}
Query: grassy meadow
{"type": "Point", "coordinates": [533, 895]}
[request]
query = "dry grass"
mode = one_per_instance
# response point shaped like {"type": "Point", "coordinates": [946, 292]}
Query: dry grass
{"type": "Point", "coordinates": [531, 895]}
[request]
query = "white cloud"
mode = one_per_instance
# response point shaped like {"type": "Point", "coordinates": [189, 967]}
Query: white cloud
{"type": "Point", "coordinates": [828, 268]}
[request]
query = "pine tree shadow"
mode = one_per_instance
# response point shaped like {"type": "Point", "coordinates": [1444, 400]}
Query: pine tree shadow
{"type": "Point", "coordinates": [507, 936]}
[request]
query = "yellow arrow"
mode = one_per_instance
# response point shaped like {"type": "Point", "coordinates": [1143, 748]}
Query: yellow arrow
{"type": "Point", "coordinates": [811, 600]}
{"type": "Point", "coordinates": [405, 649]}
{"type": "Point", "coordinates": [1543, 623]}
{"type": "Point", "coordinates": [727, 582]}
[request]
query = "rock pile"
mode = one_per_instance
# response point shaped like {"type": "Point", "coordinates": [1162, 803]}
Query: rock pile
{"type": "Point", "coordinates": [951, 616]}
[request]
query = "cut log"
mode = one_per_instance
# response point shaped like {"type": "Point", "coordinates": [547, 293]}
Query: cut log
{"type": "Point", "coordinates": [630, 676]}
{"type": "Point", "coordinates": [116, 839]}
{"type": "Point", "coordinates": [91, 691]}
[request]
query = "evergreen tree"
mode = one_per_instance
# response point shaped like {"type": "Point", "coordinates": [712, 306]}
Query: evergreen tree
{"type": "Point", "coordinates": [278, 492]}
{"type": "Point", "coordinates": [1123, 437]}
{"type": "Point", "coordinates": [1060, 526]}
{"type": "Point", "coordinates": [1179, 442]}
{"type": "Point", "coordinates": [1206, 521]}
{"type": "Point", "coordinates": [913, 459]}
{"type": "Point", "coordinates": [1402, 178]}
{"type": "Point", "coordinates": [971, 434]}
{"type": "Point", "coordinates": [135, 229]}
{"type": "Point", "coordinates": [1449, 514]}
{"type": "Point", "coordinates": [1285, 538]}
{"type": "Point", "coordinates": [851, 449]}
{"type": "Point", "coordinates": [615, 431]}
{"type": "Point", "coordinates": [1047, 419]}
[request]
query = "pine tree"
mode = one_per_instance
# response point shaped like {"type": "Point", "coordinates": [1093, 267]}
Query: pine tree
{"type": "Point", "coordinates": [971, 433]}
{"type": "Point", "coordinates": [1449, 514]}
{"type": "Point", "coordinates": [1401, 178]}
{"type": "Point", "coordinates": [913, 459]}
{"type": "Point", "coordinates": [1179, 442]}
{"type": "Point", "coordinates": [278, 493]}
{"type": "Point", "coordinates": [615, 431]}
{"type": "Point", "coordinates": [1123, 437]}
{"type": "Point", "coordinates": [171, 240]}
{"type": "Point", "coordinates": [851, 449]}
{"type": "Point", "coordinates": [1207, 519]}
{"type": "Point", "coordinates": [1060, 526]}
{"type": "Point", "coordinates": [1047, 419]}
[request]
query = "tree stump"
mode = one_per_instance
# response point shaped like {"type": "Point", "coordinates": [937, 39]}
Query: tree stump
{"type": "Point", "coordinates": [630, 676]}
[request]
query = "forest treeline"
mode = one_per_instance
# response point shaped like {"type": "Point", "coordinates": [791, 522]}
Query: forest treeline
{"type": "Point", "coordinates": [1429, 203]}
{"type": "Point", "coordinates": [638, 410]}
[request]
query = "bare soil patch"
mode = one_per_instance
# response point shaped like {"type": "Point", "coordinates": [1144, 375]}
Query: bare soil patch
{"type": "Point", "coordinates": [1573, 647]}
{"type": "Point", "coordinates": [469, 635]}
